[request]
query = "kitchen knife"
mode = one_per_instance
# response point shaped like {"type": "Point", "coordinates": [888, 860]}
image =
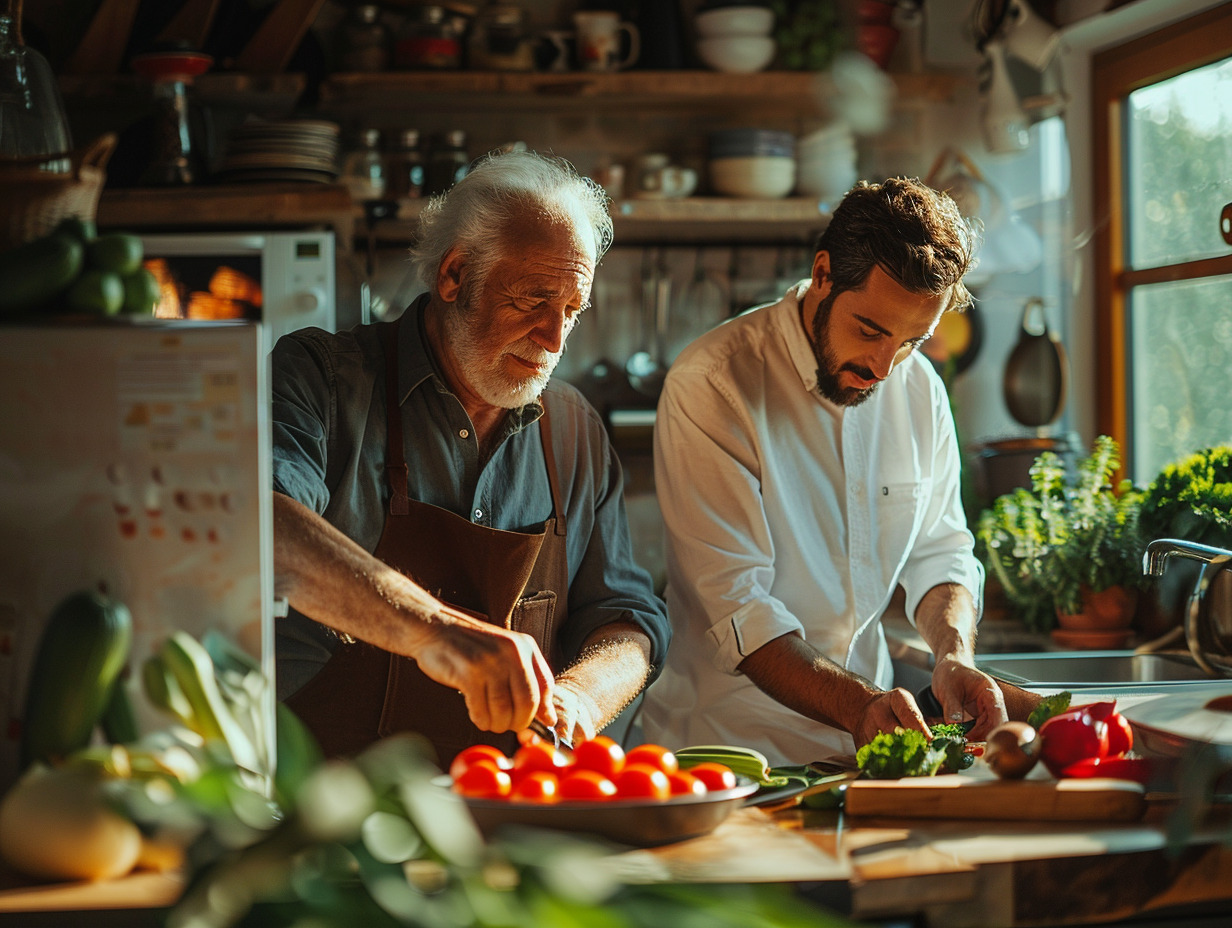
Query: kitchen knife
{"type": "Point", "coordinates": [550, 734]}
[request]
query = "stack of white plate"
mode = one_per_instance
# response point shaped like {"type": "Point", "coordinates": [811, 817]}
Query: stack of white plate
{"type": "Point", "coordinates": [281, 150]}
{"type": "Point", "coordinates": [826, 162]}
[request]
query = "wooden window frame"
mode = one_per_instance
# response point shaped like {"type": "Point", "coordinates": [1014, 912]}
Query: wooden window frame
{"type": "Point", "coordinates": [1115, 73]}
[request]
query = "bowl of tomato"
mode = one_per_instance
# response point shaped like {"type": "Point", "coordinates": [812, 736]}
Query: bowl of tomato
{"type": "Point", "coordinates": [641, 798]}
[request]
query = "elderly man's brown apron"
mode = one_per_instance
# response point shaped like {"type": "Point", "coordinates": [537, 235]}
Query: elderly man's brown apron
{"type": "Point", "coordinates": [514, 579]}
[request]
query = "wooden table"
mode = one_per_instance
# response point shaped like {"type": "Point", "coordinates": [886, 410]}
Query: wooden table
{"type": "Point", "coordinates": [970, 873]}
{"type": "Point", "coordinates": [948, 874]}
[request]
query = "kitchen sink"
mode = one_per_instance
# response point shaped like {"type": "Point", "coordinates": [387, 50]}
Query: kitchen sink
{"type": "Point", "coordinates": [1071, 669]}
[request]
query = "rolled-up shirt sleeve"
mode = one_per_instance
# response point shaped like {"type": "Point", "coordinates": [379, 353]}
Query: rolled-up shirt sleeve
{"type": "Point", "coordinates": [301, 401]}
{"type": "Point", "coordinates": [944, 550]}
{"type": "Point", "coordinates": [607, 585]}
{"type": "Point", "coordinates": [706, 472]}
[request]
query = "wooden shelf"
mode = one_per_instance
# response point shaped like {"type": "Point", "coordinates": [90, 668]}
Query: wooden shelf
{"type": "Point", "coordinates": [265, 94]}
{"type": "Point", "coordinates": [690, 220]}
{"type": "Point", "coordinates": [264, 206]}
{"type": "Point", "coordinates": [480, 90]}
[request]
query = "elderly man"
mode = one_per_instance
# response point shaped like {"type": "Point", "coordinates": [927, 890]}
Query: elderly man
{"type": "Point", "coordinates": [807, 467]}
{"type": "Point", "coordinates": [449, 523]}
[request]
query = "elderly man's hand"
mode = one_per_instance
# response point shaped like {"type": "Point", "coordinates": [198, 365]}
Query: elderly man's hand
{"type": "Point", "coordinates": [502, 674]}
{"type": "Point", "coordinates": [887, 711]}
{"type": "Point", "coordinates": [965, 692]}
{"type": "Point", "coordinates": [576, 713]}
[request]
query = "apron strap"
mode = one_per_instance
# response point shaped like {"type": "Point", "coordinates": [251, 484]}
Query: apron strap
{"type": "Point", "coordinates": [395, 456]}
{"type": "Point", "coordinates": [549, 457]}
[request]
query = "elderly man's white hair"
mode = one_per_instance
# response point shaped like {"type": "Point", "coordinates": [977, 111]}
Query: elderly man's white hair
{"type": "Point", "coordinates": [499, 188]}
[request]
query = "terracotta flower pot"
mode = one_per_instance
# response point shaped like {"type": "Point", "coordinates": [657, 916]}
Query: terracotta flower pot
{"type": "Point", "coordinates": [1105, 610]}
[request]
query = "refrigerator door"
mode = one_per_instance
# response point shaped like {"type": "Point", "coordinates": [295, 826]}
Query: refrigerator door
{"type": "Point", "coordinates": [134, 460]}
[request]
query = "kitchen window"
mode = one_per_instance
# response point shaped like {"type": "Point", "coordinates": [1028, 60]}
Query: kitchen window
{"type": "Point", "coordinates": [1163, 180]}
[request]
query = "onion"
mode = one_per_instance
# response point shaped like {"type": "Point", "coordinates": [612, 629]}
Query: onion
{"type": "Point", "coordinates": [55, 824]}
{"type": "Point", "coordinates": [1011, 750]}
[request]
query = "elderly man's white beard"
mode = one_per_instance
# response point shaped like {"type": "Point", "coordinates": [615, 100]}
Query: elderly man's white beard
{"type": "Point", "coordinates": [484, 370]}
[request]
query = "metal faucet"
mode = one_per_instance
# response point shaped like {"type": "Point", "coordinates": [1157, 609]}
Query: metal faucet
{"type": "Point", "coordinates": [1154, 561]}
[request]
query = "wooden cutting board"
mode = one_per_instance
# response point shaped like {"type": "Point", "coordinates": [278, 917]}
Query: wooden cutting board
{"type": "Point", "coordinates": [963, 797]}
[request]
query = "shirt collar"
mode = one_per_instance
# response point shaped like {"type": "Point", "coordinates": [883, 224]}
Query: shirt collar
{"type": "Point", "coordinates": [417, 364]}
{"type": "Point", "coordinates": [799, 348]}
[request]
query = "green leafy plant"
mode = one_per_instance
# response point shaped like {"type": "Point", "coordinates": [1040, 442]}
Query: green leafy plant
{"type": "Point", "coordinates": [1191, 499]}
{"type": "Point", "coordinates": [809, 34]}
{"type": "Point", "coordinates": [1047, 544]}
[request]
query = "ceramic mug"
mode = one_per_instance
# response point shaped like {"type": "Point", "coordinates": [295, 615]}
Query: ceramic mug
{"type": "Point", "coordinates": [555, 50]}
{"type": "Point", "coordinates": [598, 41]}
{"type": "Point", "coordinates": [656, 176]}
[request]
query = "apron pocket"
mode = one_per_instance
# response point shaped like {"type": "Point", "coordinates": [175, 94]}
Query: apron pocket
{"type": "Point", "coordinates": [535, 615]}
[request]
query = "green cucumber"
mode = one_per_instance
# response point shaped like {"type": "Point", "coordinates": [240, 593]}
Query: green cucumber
{"type": "Point", "coordinates": [80, 655]}
{"type": "Point", "coordinates": [34, 273]}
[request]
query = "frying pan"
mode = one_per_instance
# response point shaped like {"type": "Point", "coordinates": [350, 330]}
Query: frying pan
{"type": "Point", "coordinates": [1036, 374]}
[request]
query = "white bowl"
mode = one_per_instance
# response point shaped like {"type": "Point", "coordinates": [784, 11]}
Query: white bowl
{"type": "Point", "coordinates": [827, 179]}
{"type": "Point", "coordinates": [737, 54]}
{"type": "Point", "coordinates": [734, 20]}
{"type": "Point", "coordinates": [760, 177]}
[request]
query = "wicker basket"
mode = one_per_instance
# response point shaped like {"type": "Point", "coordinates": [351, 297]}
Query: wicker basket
{"type": "Point", "coordinates": [36, 201]}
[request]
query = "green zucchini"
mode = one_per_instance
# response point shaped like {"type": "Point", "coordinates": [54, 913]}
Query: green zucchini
{"type": "Point", "coordinates": [80, 655]}
{"type": "Point", "coordinates": [33, 273]}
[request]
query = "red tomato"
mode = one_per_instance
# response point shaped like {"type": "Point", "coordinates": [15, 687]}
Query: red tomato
{"type": "Point", "coordinates": [1120, 735]}
{"type": "Point", "coordinates": [683, 783]}
{"type": "Point", "coordinates": [1120, 732]}
{"type": "Point", "coordinates": [468, 756]}
{"type": "Point", "coordinates": [537, 756]}
{"type": "Point", "coordinates": [715, 776]}
{"type": "Point", "coordinates": [1137, 769]}
{"type": "Point", "coordinates": [600, 754]}
{"type": "Point", "coordinates": [537, 786]}
{"type": "Point", "coordinates": [586, 785]}
{"type": "Point", "coordinates": [1070, 737]}
{"type": "Point", "coordinates": [642, 781]}
{"type": "Point", "coordinates": [483, 780]}
{"type": "Point", "coordinates": [655, 756]}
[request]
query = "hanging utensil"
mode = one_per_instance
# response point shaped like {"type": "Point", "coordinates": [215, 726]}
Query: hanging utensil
{"type": "Point", "coordinates": [701, 307]}
{"type": "Point", "coordinates": [647, 367]}
{"type": "Point", "coordinates": [1036, 374]}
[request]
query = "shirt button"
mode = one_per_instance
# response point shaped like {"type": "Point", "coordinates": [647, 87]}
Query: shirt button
{"type": "Point", "coordinates": [464, 433]}
{"type": "Point", "coordinates": [478, 514]}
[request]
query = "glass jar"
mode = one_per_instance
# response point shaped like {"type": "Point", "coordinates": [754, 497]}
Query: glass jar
{"type": "Point", "coordinates": [363, 168]}
{"type": "Point", "coordinates": [33, 125]}
{"type": "Point", "coordinates": [364, 41]}
{"type": "Point", "coordinates": [405, 167]}
{"type": "Point", "coordinates": [430, 40]}
{"type": "Point", "coordinates": [499, 40]}
{"type": "Point", "coordinates": [448, 162]}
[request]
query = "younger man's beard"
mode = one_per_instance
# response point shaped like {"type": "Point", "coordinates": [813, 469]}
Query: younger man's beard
{"type": "Point", "coordinates": [828, 366]}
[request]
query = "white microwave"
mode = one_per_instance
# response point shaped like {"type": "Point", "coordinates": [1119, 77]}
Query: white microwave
{"type": "Point", "coordinates": [285, 280]}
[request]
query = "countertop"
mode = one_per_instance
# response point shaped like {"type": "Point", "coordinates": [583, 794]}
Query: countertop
{"type": "Point", "coordinates": [877, 870]}
{"type": "Point", "coordinates": [948, 874]}
{"type": "Point", "coordinates": [956, 874]}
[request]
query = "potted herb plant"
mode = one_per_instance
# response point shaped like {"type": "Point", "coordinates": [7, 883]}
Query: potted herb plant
{"type": "Point", "coordinates": [1066, 547]}
{"type": "Point", "coordinates": [1190, 499]}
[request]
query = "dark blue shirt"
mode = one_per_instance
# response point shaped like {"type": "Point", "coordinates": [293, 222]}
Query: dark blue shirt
{"type": "Point", "coordinates": [329, 454]}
